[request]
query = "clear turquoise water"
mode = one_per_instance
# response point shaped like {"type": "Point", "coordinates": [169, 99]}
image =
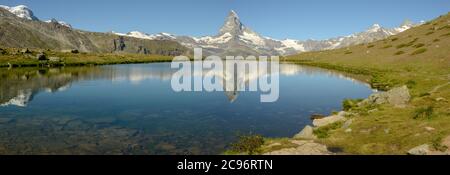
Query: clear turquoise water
{"type": "Point", "coordinates": [132, 109]}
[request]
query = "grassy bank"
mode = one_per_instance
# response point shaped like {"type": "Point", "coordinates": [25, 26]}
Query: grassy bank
{"type": "Point", "coordinates": [12, 57]}
{"type": "Point", "coordinates": [418, 58]}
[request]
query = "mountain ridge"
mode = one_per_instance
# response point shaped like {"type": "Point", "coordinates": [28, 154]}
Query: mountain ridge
{"type": "Point", "coordinates": [19, 31]}
{"type": "Point", "coordinates": [233, 38]}
{"type": "Point", "coordinates": [234, 34]}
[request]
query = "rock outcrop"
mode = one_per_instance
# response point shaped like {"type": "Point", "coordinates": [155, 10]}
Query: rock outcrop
{"type": "Point", "coordinates": [329, 120]}
{"type": "Point", "coordinates": [304, 147]}
{"type": "Point", "coordinates": [397, 97]}
{"type": "Point", "coordinates": [307, 133]}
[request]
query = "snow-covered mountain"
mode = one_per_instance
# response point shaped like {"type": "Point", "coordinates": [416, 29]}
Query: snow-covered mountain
{"type": "Point", "coordinates": [21, 11]}
{"type": "Point", "coordinates": [137, 34]}
{"type": "Point", "coordinates": [236, 38]}
{"type": "Point", "coordinates": [24, 12]}
{"type": "Point", "coordinates": [59, 22]}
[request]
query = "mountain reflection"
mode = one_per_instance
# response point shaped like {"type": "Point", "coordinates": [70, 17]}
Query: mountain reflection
{"type": "Point", "coordinates": [18, 86]}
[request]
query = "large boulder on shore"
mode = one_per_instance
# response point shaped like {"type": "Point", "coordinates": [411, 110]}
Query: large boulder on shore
{"type": "Point", "coordinates": [398, 97]}
{"type": "Point", "coordinates": [328, 120]}
{"type": "Point", "coordinates": [307, 133]}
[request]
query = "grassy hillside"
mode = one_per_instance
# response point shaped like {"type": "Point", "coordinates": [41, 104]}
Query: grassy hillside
{"type": "Point", "coordinates": [418, 58]}
{"type": "Point", "coordinates": [13, 57]}
{"type": "Point", "coordinates": [21, 33]}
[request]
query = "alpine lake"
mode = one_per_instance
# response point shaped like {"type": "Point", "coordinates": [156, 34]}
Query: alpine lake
{"type": "Point", "coordinates": [132, 109]}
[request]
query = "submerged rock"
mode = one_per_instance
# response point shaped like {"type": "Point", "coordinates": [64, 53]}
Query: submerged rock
{"type": "Point", "coordinates": [306, 133]}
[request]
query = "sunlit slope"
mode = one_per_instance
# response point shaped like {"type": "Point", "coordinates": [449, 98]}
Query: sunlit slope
{"type": "Point", "coordinates": [418, 58]}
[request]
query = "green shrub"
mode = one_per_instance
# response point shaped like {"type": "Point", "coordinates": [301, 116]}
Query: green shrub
{"type": "Point", "coordinates": [370, 46]}
{"type": "Point", "coordinates": [413, 41]}
{"type": "Point", "coordinates": [423, 112]}
{"type": "Point", "coordinates": [250, 144]}
{"type": "Point", "coordinates": [348, 52]}
{"type": "Point", "coordinates": [399, 52]}
{"type": "Point", "coordinates": [447, 34]}
{"type": "Point", "coordinates": [429, 33]}
{"type": "Point", "coordinates": [444, 27]}
{"type": "Point", "coordinates": [436, 40]}
{"type": "Point", "coordinates": [436, 143]}
{"type": "Point", "coordinates": [424, 94]}
{"type": "Point", "coordinates": [419, 51]}
{"type": "Point", "coordinates": [411, 83]}
{"type": "Point", "coordinates": [348, 104]}
{"type": "Point", "coordinates": [394, 39]}
{"type": "Point", "coordinates": [324, 131]}
{"type": "Point", "coordinates": [403, 45]}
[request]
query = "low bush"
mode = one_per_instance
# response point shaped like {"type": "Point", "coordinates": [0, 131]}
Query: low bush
{"type": "Point", "coordinates": [324, 131]}
{"type": "Point", "coordinates": [424, 113]}
{"type": "Point", "coordinates": [419, 45]}
{"type": "Point", "coordinates": [410, 84]}
{"type": "Point", "coordinates": [387, 46]}
{"type": "Point", "coordinates": [419, 51]}
{"type": "Point", "coordinates": [348, 104]}
{"type": "Point", "coordinates": [399, 52]}
{"type": "Point", "coordinates": [249, 144]}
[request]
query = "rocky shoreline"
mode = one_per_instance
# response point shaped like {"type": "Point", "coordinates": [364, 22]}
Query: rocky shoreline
{"type": "Point", "coordinates": [307, 141]}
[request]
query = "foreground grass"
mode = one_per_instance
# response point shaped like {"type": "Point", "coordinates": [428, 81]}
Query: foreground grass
{"type": "Point", "coordinates": [14, 58]}
{"type": "Point", "coordinates": [423, 65]}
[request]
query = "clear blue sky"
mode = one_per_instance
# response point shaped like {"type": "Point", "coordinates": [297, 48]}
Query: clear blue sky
{"type": "Point", "coordinates": [297, 19]}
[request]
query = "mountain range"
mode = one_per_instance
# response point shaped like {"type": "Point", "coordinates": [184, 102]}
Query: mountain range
{"type": "Point", "coordinates": [234, 38]}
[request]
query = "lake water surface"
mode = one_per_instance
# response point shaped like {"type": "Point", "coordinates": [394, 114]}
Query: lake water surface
{"type": "Point", "coordinates": [132, 109]}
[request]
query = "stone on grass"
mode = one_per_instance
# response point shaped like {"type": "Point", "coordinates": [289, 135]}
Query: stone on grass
{"type": "Point", "coordinates": [328, 120]}
{"type": "Point", "coordinates": [304, 147]}
{"type": "Point", "coordinates": [420, 150]}
{"type": "Point", "coordinates": [306, 133]}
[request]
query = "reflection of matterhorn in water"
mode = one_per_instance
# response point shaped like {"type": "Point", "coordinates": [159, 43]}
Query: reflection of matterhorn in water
{"type": "Point", "coordinates": [231, 85]}
{"type": "Point", "coordinates": [19, 88]}
{"type": "Point", "coordinates": [238, 78]}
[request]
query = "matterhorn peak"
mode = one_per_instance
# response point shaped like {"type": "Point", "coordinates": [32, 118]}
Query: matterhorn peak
{"type": "Point", "coordinates": [232, 24]}
{"type": "Point", "coordinates": [233, 13]}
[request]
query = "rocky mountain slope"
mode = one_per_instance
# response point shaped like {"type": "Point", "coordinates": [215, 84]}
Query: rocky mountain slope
{"type": "Point", "coordinates": [19, 28]}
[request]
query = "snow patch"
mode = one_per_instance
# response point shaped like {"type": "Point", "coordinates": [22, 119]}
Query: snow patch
{"type": "Point", "coordinates": [21, 11]}
{"type": "Point", "coordinates": [253, 38]}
